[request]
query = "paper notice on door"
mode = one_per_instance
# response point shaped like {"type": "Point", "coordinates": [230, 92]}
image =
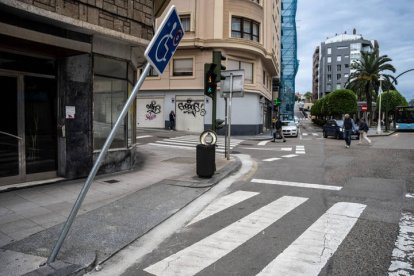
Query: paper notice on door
{"type": "Point", "coordinates": [70, 112]}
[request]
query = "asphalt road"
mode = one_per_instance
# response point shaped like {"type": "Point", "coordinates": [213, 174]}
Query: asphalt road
{"type": "Point", "coordinates": [309, 206]}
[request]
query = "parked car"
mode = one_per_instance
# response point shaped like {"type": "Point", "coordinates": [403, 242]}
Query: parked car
{"type": "Point", "coordinates": [289, 128]}
{"type": "Point", "coordinates": [335, 128]}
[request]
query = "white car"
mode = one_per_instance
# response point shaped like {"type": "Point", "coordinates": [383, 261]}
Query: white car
{"type": "Point", "coordinates": [289, 128]}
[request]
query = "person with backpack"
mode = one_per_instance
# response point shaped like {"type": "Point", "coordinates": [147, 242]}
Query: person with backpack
{"type": "Point", "coordinates": [363, 130]}
{"type": "Point", "coordinates": [278, 126]}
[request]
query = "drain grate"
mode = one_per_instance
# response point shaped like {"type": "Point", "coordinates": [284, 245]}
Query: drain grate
{"type": "Point", "coordinates": [112, 181]}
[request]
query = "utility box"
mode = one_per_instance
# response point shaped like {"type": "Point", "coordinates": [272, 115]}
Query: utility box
{"type": "Point", "coordinates": [206, 160]}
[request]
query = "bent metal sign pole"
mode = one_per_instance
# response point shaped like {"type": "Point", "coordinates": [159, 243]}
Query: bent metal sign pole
{"type": "Point", "coordinates": [158, 53]}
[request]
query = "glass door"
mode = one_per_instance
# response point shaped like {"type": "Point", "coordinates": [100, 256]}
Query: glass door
{"type": "Point", "coordinates": [40, 124]}
{"type": "Point", "coordinates": [28, 129]}
{"type": "Point", "coordinates": [10, 141]}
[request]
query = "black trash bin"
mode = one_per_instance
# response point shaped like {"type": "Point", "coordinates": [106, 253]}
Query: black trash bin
{"type": "Point", "coordinates": [206, 160]}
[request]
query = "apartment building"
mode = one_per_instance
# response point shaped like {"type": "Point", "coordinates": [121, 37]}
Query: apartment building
{"type": "Point", "coordinates": [336, 55]}
{"type": "Point", "coordinates": [246, 32]}
{"type": "Point", "coordinates": [66, 68]}
{"type": "Point", "coordinates": [315, 73]}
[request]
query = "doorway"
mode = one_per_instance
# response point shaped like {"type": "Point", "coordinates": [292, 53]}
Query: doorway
{"type": "Point", "coordinates": [28, 136]}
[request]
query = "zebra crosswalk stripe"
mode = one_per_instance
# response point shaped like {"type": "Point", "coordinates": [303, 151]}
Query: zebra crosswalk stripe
{"type": "Point", "coordinates": [223, 203]}
{"type": "Point", "coordinates": [308, 254]}
{"type": "Point", "coordinates": [402, 259]}
{"type": "Point", "coordinates": [296, 184]}
{"type": "Point", "coordinates": [198, 256]}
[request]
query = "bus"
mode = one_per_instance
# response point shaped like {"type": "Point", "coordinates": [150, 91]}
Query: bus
{"type": "Point", "coordinates": [404, 118]}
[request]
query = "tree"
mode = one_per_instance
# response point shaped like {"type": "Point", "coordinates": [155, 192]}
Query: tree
{"type": "Point", "coordinates": [365, 80]}
{"type": "Point", "coordinates": [308, 97]}
{"type": "Point", "coordinates": [389, 101]}
{"type": "Point", "coordinates": [340, 102]}
{"type": "Point", "coordinates": [411, 102]}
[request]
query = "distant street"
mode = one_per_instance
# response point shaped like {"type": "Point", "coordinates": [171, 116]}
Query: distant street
{"type": "Point", "coordinates": [309, 206]}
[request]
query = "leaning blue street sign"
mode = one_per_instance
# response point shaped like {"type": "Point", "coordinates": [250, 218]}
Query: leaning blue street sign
{"type": "Point", "coordinates": [163, 45]}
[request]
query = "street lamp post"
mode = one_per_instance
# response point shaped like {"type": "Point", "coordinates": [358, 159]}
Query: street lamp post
{"type": "Point", "coordinates": [379, 105]}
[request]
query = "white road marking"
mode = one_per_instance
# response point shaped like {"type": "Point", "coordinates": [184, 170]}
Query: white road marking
{"type": "Point", "coordinates": [308, 254]}
{"type": "Point", "coordinates": [300, 149]}
{"type": "Point", "coordinates": [271, 159]}
{"type": "Point", "coordinates": [144, 136]}
{"type": "Point", "coordinates": [409, 195]}
{"type": "Point", "coordinates": [305, 134]}
{"type": "Point", "coordinates": [290, 155]}
{"type": "Point", "coordinates": [269, 149]}
{"type": "Point", "coordinates": [222, 204]}
{"type": "Point", "coordinates": [296, 184]}
{"type": "Point", "coordinates": [263, 143]}
{"type": "Point", "coordinates": [198, 256]}
{"type": "Point", "coordinates": [315, 134]}
{"type": "Point", "coordinates": [402, 259]}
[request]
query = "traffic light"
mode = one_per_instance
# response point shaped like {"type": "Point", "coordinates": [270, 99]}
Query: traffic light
{"type": "Point", "coordinates": [217, 58]}
{"type": "Point", "coordinates": [277, 102]}
{"type": "Point", "coordinates": [210, 85]}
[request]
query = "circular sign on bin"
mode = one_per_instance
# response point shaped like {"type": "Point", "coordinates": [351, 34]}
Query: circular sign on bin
{"type": "Point", "coordinates": [208, 137]}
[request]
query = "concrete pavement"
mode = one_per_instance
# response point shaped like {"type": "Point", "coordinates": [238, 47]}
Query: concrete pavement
{"type": "Point", "coordinates": [117, 210]}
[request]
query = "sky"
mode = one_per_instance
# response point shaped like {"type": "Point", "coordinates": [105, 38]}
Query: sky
{"type": "Point", "coordinates": [390, 22]}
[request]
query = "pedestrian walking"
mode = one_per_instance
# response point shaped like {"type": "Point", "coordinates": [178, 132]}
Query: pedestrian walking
{"type": "Point", "coordinates": [172, 120]}
{"type": "Point", "coordinates": [348, 125]}
{"type": "Point", "coordinates": [273, 126]}
{"type": "Point", "coordinates": [278, 127]}
{"type": "Point", "coordinates": [363, 130]}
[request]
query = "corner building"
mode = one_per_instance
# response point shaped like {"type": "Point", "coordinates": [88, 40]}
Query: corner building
{"type": "Point", "coordinates": [247, 33]}
{"type": "Point", "coordinates": [66, 69]}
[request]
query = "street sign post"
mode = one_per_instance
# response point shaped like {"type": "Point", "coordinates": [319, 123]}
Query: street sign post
{"type": "Point", "coordinates": [163, 45]}
{"type": "Point", "coordinates": [159, 52]}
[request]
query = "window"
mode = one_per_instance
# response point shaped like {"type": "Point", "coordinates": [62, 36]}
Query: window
{"type": "Point", "coordinates": [346, 65]}
{"type": "Point", "coordinates": [329, 51]}
{"type": "Point", "coordinates": [329, 76]}
{"type": "Point", "coordinates": [329, 67]}
{"type": "Point", "coordinates": [338, 76]}
{"type": "Point", "coordinates": [264, 77]}
{"type": "Point", "coordinates": [338, 86]}
{"type": "Point", "coordinates": [338, 67]}
{"type": "Point", "coordinates": [111, 82]}
{"type": "Point", "coordinates": [329, 59]}
{"type": "Point", "coordinates": [152, 72]}
{"type": "Point", "coordinates": [186, 22]}
{"type": "Point", "coordinates": [237, 65]}
{"type": "Point", "coordinates": [338, 58]}
{"type": "Point", "coordinates": [346, 75]}
{"type": "Point", "coordinates": [328, 87]}
{"type": "Point", "coordinates": [244, 28]}
{"type": "Point", "coordinates": [182, 67]}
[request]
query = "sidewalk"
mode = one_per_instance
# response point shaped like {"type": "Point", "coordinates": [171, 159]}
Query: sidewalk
{"type": "Point", "coordinates": [117, 210]}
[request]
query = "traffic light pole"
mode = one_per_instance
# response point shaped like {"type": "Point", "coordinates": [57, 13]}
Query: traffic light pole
{"type": "Point", "coordinates": [229, 116]}
{"type": "Point", "coordinates": [213, 115]}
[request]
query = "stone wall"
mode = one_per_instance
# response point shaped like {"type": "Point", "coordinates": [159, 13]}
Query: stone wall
{"type": "Point", "coordinates": [132, 17]}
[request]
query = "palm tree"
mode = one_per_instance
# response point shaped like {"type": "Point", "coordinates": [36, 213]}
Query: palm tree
{"type": "Point", "coordinates": [364, 81]}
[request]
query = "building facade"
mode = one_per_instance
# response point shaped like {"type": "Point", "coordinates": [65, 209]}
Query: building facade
{"type": "Point", "coordinates": [247, 33]}
{"type": "Point", "coordinates": [336, 56]}
{"type": "Point", "coordinates": [66, 69]}
{"type": "Point", "coordinates": [315, 73]}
